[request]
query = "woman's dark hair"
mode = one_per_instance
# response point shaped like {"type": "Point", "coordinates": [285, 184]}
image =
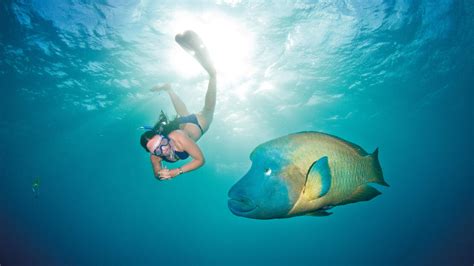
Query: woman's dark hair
{"type": "Point", "coordinates": [162, 127]}
{"type": "Point", "coordinates": [169, 127]}
{"type": "Point", "coordinates": [145, 137]}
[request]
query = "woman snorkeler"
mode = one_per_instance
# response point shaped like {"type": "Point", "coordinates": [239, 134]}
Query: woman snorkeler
{"type": "Point", "coordinates": [176, 140]}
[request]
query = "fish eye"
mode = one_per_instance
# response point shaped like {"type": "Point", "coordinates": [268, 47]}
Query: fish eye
{"type": "Point", "coordinates": [268, 171]}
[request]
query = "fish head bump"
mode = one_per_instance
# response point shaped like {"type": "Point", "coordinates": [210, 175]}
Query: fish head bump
{"type": "Point", "coordinates": [269, 189]}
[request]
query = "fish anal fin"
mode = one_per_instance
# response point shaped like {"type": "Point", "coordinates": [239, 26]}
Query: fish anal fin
{"type": "Point", "coordinates": [319, 213]}
{"type": "Point", "coordinates": [362, 193]}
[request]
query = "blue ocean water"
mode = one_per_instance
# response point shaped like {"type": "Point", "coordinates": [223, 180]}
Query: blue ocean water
{"type": "Point", "coordinates": [75, 78]}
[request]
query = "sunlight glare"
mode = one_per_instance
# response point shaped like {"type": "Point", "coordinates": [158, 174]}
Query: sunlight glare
{"type": "Point", "coordinates": [228, 42]}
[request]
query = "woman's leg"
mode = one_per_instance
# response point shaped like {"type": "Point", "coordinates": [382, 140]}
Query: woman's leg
{"type": "Point", "coordinates": [210, 101]}
{"type": "Point", "coordinates": [191, 42]}
{"type": "Point", "coordinates": [178, 104]}
{"type": "Point", "coordinates": [206, 115]}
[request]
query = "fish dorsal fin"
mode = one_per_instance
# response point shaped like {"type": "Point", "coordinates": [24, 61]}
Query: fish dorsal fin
{"type": "Point", "coordinates": [319, 213]}
{"type": "Point", "coordinates": [318, 180]}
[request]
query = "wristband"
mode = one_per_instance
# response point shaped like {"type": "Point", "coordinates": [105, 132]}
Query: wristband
{"type": "Point", "coordinates": [180, 170]}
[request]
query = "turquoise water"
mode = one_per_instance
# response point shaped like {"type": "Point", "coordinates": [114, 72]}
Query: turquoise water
{"type": "Point", "coordinates": [75, 75]}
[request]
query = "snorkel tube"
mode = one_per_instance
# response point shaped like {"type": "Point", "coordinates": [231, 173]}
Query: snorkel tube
{"type": "Point", "coordinates": [146, 127]}
{"type": "Point", "coordinates": [158, 127]}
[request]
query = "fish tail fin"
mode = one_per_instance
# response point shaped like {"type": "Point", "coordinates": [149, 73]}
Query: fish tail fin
{"type": "Point", "coordinates": [377, 175]}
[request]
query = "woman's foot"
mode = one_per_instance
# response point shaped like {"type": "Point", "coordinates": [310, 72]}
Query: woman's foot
{"type": "Point", "coordinates": [191, 42]}
{"type": "Point", "coordinates": [158, 88]}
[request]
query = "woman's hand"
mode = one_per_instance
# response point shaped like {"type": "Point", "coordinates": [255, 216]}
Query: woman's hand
{"type": "Point", "coordinates": [165, 173]}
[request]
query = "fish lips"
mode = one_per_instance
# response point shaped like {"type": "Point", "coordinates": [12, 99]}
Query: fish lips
{"type": "Point", "coordinates": [241, 205]}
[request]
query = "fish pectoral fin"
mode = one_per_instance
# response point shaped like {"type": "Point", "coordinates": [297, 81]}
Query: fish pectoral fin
{"type": "Point", "coordinates": [318, 181]}
{"type": "Point", "coordinates": [362, 193]}
{"type": "Point", "coordinates": [319, 213]}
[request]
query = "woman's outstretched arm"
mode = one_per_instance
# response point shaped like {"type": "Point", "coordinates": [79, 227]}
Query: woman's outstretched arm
{"type": "Point", "coordinates": [156, 163]}
{"type": "Point", "coordinates": [194, 152]}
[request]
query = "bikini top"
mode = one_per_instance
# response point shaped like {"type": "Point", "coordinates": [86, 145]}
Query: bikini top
{"type": "Point", "coordinates": [173, 156]}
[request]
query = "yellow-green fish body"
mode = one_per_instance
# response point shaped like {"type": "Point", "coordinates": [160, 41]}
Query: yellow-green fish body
{"type": "Point", "coordinates": [305, 173]}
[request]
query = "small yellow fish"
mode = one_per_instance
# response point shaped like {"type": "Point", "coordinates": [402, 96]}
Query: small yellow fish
{"type": "Point", "coordinates": [35, 186]}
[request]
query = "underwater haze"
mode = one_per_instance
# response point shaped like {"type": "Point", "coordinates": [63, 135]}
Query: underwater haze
{"type": "Point", "coordinates": [76, 187]}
